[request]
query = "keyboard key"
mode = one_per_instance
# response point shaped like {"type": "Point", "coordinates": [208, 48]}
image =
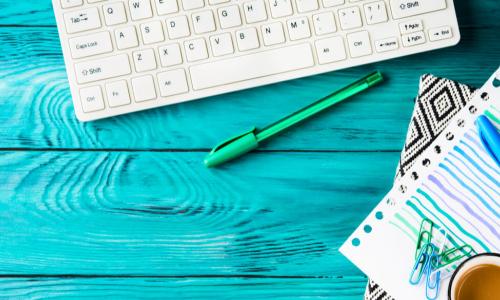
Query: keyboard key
{"type": "Point", "coordinates": [102, 68]}
{"type": "Point", "coordinates": [213, 2]}
{"type": "Point", "coordinates": [298, 28]}
{"type": "Point", "coordinates": [82, 20]}
{"type": "Point", "coordinates": [251, 66]}
{"type": "Point", "coordinates": [229, 17]}
{"type": "Point", "coordinates": [324, 23]}
{"type": "Point", "coordinates": [387, 44]}
{"type": "Point", "coordinates": [172, 83]}
{"type": "Point", "coordinates": [127, 51]}
{"type": "Point", "coordinates": [359, 44]}
{"type": "Point", "coordinates": [331, 3]}
{"type": "Point", "coordinates": [165, 7]}
{"type": "Point", "coordinates": [195, 50]}
{"type": "Point", "coordinates": [140, 9]}
{"type": "Point", "coordinates": [152, 32]}
{"type": "Point", "coordinates": [114, 13]}
{"type": "Point", "coordinates": [306, 5]}
{"type": "Point", "coordinates": [330, 50]}
{"type": "Point", "coordinates": [93, 44]}
{"type": "Point", "coordinates": [126, 38]}
{"type": "Point", "coordinates": [280, 8]}
{"type": "Point", "coordinates": [91, 99]}
{"type": "Point", "coordinates": [178, 27]}
{"type": "Point", "coordinates": [144, 88]}
{"type": "Point", "coordinates": [375, 13]}
{"type": "Point", "coordinates": [203, 22]}
{"type": "Point", "coordinates": [441, 33]}
{"type": "Point", "coordinates": [144, 60]}
{"type": "Point", "coordinates": [192, 4]}
{"type": "Point", "coordinates": [255, 11]}
{"type": "Point", "coordinates": [411, 26]}
{"type": "Point", "coordinates": [71, 3]}
{"type": "Point", "coordinates": [117, 93]}
{"type": "Point", "coordinates": [407, 8]}
{"type": "Point", "coordinates": [350, 18]}
{"type": "Point", "coordinates": [247, 39]}
{"type": "Point", "coordinates": [170, 55]}
{"type": "Point", "coordinates": [222, 44]}
{"type": "Point", "coordinates": [273, 34]}
{"type": "Point", "coordinates": [413, 39]}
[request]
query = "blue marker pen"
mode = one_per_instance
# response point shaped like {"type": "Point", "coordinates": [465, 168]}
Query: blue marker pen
{"type": "Point", "coordinates": [490, 137]}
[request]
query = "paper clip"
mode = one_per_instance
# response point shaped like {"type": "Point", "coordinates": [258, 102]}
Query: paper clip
{"type": "Point", "coordinates": [440, 241]}
{"type": "Point", "coordinates": [424, 236]}
{"type": "Point", "coordinates": [433, 278]}
{"type": "Point", "coordinates": [445, 272]}
{"type": "Point", "coordinates": [455, 254]}
{"type": "Point", "coordinates": [422, 263]}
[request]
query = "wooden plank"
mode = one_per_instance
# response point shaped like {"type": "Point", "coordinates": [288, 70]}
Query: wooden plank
{"type": "Point", "coordinates": [40, 13]}
{"type": "Point", "coordinates": [36, 111]}
{"type": "Point", "coordinates": [185, 288]}
{"type": "Point", "coordinates": [137, 213]}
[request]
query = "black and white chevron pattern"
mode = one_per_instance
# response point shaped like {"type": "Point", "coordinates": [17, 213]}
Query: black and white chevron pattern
{"type": "Point", "coordinates": [439, 99]}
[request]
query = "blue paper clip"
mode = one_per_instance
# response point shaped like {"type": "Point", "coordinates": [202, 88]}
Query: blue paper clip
{"type": "Point", "coordinates": [434, 259]}
{"type": "Point", "coordinates": [433, 278]}
{"type": "Point", "coordinates": [422, 263]}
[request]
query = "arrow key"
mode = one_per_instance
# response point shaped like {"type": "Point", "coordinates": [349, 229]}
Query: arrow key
{"type": "Point", "coordinates": [441, 33]}
{"type": "Point", "coordinates": [387, 44]}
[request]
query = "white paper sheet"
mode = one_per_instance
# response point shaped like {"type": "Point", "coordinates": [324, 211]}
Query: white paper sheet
{"type": "Point", "coordinates": [456, 184]}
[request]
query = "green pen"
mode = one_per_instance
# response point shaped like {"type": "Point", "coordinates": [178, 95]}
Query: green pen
{"type": "Point", "coordinates": [248, 141]}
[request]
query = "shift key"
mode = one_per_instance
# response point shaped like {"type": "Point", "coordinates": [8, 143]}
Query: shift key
{"type": "Point", "coordinates": [407, 8]}
{"type": "Point", "coordinates": [103, 68]}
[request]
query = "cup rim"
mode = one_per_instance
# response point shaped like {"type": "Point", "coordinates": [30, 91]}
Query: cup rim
{"type": "Point", "coordinates": [462, 264]}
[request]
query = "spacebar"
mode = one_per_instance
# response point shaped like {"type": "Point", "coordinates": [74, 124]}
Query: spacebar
{"type": "Point", "coordinates": [251, 66]}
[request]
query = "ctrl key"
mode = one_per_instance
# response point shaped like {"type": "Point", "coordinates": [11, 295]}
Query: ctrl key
{"type": "Point", "coordinates": [91, 98]}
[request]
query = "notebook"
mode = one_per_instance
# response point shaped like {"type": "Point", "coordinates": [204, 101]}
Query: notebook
{"type": "Point", "coordinates": [438, 100]}
{"type": "Point", "coordinates": [454, 183]}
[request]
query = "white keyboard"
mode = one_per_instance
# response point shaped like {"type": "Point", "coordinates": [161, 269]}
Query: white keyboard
{"type": "Point", "coordinates": [129, 55]}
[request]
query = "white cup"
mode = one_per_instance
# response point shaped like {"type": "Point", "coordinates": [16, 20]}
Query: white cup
{"type": "Point", "coordinates": [467, 265]}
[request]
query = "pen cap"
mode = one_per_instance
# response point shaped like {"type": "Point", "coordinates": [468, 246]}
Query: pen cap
{"type": "Point", "coordinates": [232, 149]}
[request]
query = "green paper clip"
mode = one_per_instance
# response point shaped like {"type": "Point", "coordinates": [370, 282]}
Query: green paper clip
{"type": "Point", "coordinates": [433, 259]}
{"type": "Point", "coordinates": [425, 235]}
{"type": "Point", "coordinates": [455, 254]}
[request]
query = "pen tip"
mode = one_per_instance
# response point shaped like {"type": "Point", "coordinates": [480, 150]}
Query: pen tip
{"type": "Point", "coordinates": [207, 162]}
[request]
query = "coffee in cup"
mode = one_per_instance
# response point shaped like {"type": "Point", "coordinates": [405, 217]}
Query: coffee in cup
{"type": "Point", "coordinates": [477, 278]}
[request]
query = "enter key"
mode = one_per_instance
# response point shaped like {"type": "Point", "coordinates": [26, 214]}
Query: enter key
{"type": "Point", "coordinates": [407, 8]}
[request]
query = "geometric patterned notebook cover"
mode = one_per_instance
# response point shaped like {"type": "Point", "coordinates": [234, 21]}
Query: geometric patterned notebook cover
{"type": "Point", "coordinates": [438, 101]}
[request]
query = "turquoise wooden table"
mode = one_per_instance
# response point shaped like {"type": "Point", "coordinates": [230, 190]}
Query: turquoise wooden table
{"type": "Point", "coordinates": [124, 207]}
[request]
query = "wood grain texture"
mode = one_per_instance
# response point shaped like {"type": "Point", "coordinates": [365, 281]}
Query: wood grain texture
{"type": "Point", "coordinates": [166, 214]}
{"type": "Point", "coordinates": [346, 288]}
{"type": "Point", "coordinates": [34, 87]}
{"type": "Point", "coordinates": [122, 208]}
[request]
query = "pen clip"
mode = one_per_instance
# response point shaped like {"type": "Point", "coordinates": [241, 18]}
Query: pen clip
{"type": "Point", "coordinates": [232, 139]}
